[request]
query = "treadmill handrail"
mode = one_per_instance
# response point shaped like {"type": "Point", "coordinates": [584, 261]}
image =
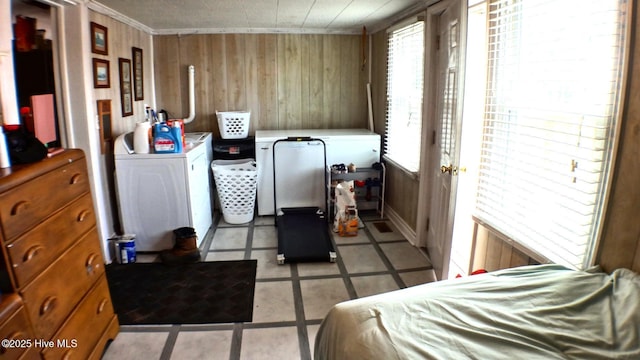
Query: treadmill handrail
{"type": "Point", "coordinates": [298, 139]}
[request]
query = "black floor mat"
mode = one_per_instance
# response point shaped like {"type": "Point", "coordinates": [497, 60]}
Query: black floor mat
{"type": "Point", "coordinates": [200, 293]}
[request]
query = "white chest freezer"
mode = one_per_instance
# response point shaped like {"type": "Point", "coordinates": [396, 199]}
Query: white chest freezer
{"type": "Point", "coordinates": [344, 146]}
{"type": "Point", "coordinates": [158, 193]}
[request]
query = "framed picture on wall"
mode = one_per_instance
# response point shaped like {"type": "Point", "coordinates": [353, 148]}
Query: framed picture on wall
{"type": "Point", "coordinates": [104, 116]}
{"type": "Point", "coordinates": [138, 75]}
{"type": "Point", "coordinates": [101, 76]}
{"type": "Point", "coordinates": [99, 39]}
{"type": "Point", "coordinates": [126, 96]}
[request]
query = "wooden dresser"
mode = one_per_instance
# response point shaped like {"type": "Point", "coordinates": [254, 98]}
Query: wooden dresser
{"type": "Point", "coordinates": [54, 290]}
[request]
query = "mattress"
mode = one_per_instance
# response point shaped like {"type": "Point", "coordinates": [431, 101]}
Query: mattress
{"type": "Point", "coordinates": [530, 312]}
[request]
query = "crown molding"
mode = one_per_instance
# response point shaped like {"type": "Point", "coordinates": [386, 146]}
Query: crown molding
{"type": "Point", "coordinates": [254, 31]}
{"type": "Point", "coordinates": [104, 10]}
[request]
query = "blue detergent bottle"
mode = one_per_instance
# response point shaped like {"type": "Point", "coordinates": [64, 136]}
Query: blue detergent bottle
{"type": "Point", "coordinates": [165, 140]}
{"type": "Point", "coordinates": [176, 127]}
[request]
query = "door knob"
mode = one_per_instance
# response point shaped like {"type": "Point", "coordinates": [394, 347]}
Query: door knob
{"type": "Point", "coordinates": [457, 170]}
{"type": "Point", "coordinates": [446, 169]}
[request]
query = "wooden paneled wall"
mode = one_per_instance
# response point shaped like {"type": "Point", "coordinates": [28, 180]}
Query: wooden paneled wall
{"type": "Point", "coordinates": [620, 244]}
{"type": "Point", "coordinates": [491, 252]}
{"type": "Point", "coordinates": [379, 80]}
{"type": "Point", "coordinates": [121, 38]}
{"type": "Point", "coordinates": [287, 81]}
{"type": "Point", "coordinates": [402, 195]}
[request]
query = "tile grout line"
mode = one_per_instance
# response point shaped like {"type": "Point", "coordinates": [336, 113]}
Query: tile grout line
{"type": "Point", "coordinates": [298, 303]}
{"type": "Point", "coordinates": [170, 343]}
{"type": "Point", "coordinates": [236, 341]}
{"type": "Point", "coordinates": [351, 290]}
{"type": "Point", "coordinates": [238, 328]}
{"type": "Point", "coordinates": [249, 243]}
{"type": "Point", "coordinates": [208, 241]}
{"type": "Point", "coordinates": [385, 259]}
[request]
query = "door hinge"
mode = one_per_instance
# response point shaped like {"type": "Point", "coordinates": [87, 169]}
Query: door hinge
{"type": "Point", "coordinates": [428, 223]}
{"type": "Point", "coordinates": [433, 137]}
{"type": "Point", "coordinates": [438, 42]}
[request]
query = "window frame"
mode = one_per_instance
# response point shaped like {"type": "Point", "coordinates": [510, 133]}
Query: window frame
{"type": "Point", "coordinates": [595, 233]}
{"type": "Point", "coordinates": [412, 169]}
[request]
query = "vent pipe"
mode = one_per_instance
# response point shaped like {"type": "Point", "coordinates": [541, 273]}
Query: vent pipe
{"type": "Point", "coordinates": [192, 96]}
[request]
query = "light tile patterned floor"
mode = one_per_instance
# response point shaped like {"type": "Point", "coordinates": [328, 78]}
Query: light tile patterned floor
{"type": "Point", "coordinates": [290, 300]}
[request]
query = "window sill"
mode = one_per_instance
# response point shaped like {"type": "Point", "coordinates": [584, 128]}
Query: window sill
{"type": "Point", "coordinates": [414, 175]}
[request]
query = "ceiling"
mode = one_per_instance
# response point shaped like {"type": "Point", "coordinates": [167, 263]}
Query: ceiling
{"type": "Point", "coordinates": [269, 16]}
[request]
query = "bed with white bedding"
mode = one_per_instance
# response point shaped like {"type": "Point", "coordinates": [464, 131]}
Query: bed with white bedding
{"type": "Point", "coordinates": [531, 312]}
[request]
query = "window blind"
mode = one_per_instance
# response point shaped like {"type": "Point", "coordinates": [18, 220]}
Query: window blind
{"type": "Point", "coordinates": [553, 89]}
{"type": "Point", "coordinates": [405, 68]}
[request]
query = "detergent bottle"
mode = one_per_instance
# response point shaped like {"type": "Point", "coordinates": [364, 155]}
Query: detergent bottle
{"type": "Point", "coordinates": [165, 140]}
{"type": "Point", "coordinates": [176, 128]}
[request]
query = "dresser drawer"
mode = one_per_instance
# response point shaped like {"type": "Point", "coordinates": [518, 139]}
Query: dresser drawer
{"type": "Point", "coordinates": [31, 253]}
{"type": "Point", "coordinates": [94, 313]}
{"type": "Point", "coordinates": [51, 296]}
{"type": "Point", "coordinates": [32, 353]}
{"type": "Point", "coordinates": [14, 327]}
{"type": "Point", "coordinates": [28, 204]}
{"type": "Point", "coordinates": [110, 333]}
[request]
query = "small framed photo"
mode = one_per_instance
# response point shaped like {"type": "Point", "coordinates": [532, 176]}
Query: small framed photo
{"type": "Point", "coordinates": [99, 39]}
{"type": "Point", "coordinates": [126, 95]}
{"type": "Point", "coordinates": [138, 74]}
{"type": "Point", "coordinates": [101, 76]}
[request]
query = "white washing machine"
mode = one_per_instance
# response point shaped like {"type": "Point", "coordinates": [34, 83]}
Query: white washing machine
{"type": "Point", "coordinates": [158, 193]}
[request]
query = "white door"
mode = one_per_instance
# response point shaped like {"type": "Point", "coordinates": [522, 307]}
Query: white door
{"type": "Point", "coordinates": [445, 26]}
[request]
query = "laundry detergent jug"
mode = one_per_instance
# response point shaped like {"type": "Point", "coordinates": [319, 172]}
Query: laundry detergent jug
{"type": "Point", "coordinates": [166, 139]}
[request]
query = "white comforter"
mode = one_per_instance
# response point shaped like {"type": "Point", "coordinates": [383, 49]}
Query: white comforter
{"type": "Point", "coordinates": [531, 312]}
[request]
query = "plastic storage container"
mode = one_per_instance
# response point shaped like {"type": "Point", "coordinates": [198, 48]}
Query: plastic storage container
{"type": "Point", "coordinates": [234, 149]}
{"type": "Point", "coordinates": [234, 124]}
{"type": "Point", "coordinates": [236, 184]}
{"type": "Point", "coordinates": [141, 137]}
{"type": "Point", "coordinates": [125, 248]}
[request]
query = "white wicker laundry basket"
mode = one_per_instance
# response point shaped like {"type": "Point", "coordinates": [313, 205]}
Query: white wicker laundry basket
{"type": "Point", "coordinates": [236, 185]}
{"type": "Point", "coordinates": [234, 124]}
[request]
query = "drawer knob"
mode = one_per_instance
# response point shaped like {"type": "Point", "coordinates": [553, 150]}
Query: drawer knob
{"type": "Point", "coordinates": [89, 264]}
{"type": "Point", "coordinates": [75, 178]}
{"type": "Point", "coordinates": [48, 304]}
{"type": "Point", "coordinates": [31, 252]}
{"type": "Point", "coordinates": [19, 207]}
{"type": "Point", "coordinates": [83, 215]}
{"type": "Point", "coordinates": [101, 306]}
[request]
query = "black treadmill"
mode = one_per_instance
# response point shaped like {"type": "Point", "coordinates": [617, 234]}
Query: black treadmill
{"type": "Point", "coordinates": [303, 229]}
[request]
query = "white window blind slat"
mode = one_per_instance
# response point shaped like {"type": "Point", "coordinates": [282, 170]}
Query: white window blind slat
{"type": "Point", "coordinates": [405, 67]}
{"type": "Point", "coordinates": [550, 113]}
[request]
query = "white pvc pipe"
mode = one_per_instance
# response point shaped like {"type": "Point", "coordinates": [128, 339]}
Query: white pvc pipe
{"type": "Point", "coordinates": [192, 96]}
